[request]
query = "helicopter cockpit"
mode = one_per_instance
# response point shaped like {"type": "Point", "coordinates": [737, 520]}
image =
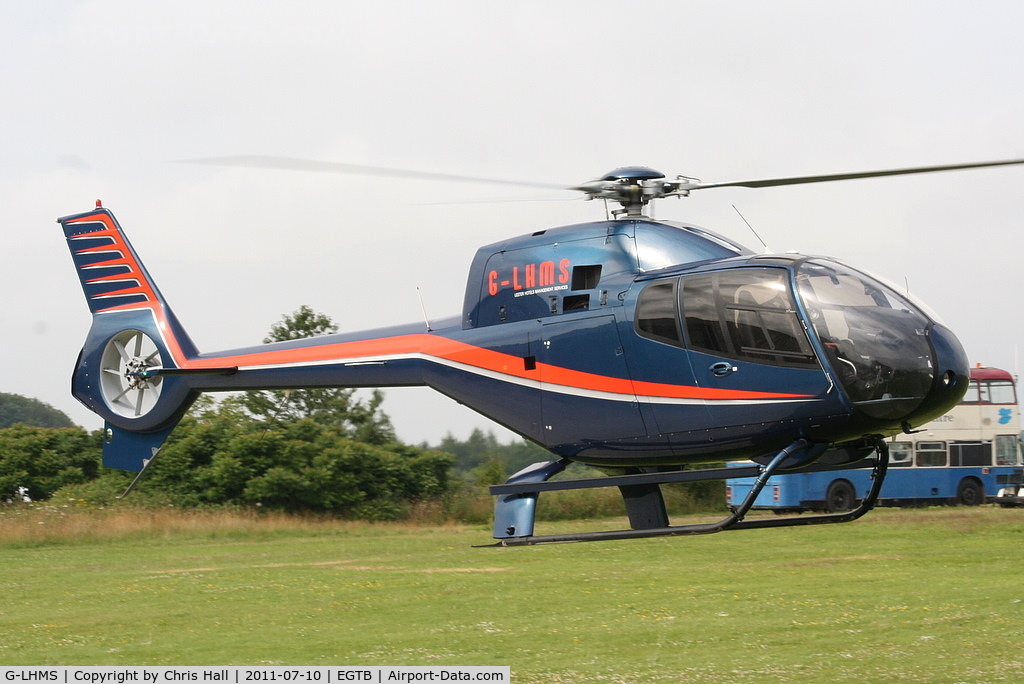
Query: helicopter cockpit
{"type": "Point", "coordinates": [890, 357]}
{"type": "Point", "coordinates": [876, 340]}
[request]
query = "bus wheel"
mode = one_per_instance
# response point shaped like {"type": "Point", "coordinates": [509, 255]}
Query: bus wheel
{"type": "Point", "coordinates": [840, 497]}
{"type": "Point", "coordinates": [970, 492]}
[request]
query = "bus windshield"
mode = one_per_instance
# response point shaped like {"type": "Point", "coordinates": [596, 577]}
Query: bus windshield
{"type": "Point", "coordinates": [990, 392]}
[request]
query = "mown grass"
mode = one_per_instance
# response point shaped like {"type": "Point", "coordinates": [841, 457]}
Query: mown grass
{"type": "Point", "coordinates": [917, 594]}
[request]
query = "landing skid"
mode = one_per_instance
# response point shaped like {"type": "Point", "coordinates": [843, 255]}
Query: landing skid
{"type": "Point", "coordinates": [517, 498]}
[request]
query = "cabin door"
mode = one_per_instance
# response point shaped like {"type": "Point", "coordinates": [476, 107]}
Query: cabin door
{"type": "Point", "coordinates": [587, 395]}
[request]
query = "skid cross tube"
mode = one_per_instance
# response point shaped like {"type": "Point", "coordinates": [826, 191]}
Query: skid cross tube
{"type": "Point", "coordinates": [867, 503]}
{"type": "Point", "coordinates": [528, 491]}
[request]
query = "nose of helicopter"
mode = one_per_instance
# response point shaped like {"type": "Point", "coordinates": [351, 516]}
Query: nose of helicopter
{"type": "Point", "coordinates": [926, 385]}
{"type": "Point", "coordinates": [951, 377]}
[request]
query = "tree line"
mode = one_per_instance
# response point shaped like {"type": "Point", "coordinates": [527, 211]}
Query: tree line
{"type": "Point", "coordinates": [16, 409]}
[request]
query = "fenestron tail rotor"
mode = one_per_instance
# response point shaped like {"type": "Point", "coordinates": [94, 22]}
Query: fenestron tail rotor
{"type": "Point", "coordinates": [127, 389]}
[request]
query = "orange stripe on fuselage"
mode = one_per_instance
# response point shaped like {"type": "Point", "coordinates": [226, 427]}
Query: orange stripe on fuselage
{"type": "Point", "coordinates": [476, 357]}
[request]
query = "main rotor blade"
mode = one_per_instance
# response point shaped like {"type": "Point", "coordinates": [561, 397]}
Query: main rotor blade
{"type": "Point", "coordinates": [797, 180]}
{"type": "Point", "coordinates": [291, 164]}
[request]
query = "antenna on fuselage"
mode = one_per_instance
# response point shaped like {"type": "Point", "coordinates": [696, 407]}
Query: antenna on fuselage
{"type": "Point", "coordinates": [423, 308]}
{"type": "Point", "coordinates": [766, 248]}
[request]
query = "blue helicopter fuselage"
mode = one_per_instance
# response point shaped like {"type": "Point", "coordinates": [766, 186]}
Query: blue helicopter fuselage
{"type": "Point", "coordinates": [617, 343]}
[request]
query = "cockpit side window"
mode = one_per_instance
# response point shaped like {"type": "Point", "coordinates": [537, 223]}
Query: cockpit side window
{"type": "Point", "coordinates": [746, 314]}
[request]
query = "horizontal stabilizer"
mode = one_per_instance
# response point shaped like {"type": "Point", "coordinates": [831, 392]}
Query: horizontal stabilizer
{"type": "Point", "coordinates": [160, 370]}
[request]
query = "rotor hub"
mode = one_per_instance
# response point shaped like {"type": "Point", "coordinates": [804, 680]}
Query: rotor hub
{"type": "Point", "coordinates": [632, 173]}
{"type": "Point", "coordinates": [633, 187]}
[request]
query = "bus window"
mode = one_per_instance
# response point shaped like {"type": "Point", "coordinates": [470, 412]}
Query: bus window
{"type": "Point", "coordinates": [970, 453]}
{"type": "Point", "coordinates": [901, 454]}
{"type": "Point", "coordinates": [1006, 450]}
{"type": "Point", "coordinates": [998, 391]}
{"type": "Point", "coordinates": [931, 454]}
{"type": "Point", "coordinates": [990, 391]}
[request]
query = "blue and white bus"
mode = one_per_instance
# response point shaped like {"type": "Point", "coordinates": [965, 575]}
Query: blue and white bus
{"type": "Point", "coordinates": [968, 456]}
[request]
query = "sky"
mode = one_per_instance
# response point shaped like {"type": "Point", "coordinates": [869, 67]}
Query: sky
{"type": "Point", "coordinates": [102, 97]}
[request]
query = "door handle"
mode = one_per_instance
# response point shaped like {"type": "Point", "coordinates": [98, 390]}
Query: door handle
{"type": "Point", "coordinates": [722, 368]}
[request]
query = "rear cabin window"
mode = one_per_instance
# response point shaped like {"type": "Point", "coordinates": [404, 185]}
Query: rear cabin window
{"type": "Point", "coordinates": [656, 315]}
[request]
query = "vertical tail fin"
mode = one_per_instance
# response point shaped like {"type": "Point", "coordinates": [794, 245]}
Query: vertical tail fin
{"type": "Point", "coordinates": [133, 330]}
{"type": "Point", "coordinates": [113, 277]}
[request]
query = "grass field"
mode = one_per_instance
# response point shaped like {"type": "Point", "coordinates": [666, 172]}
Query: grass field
{"type": "Point", "coordinates": [916, 595]}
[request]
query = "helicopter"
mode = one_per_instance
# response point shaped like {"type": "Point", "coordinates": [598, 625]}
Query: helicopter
{"type": "Point", "coordinates": [647, 349]}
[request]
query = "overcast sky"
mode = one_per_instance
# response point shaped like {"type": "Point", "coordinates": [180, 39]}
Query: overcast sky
{"type": "Point", "coordinates": [99, 97]}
